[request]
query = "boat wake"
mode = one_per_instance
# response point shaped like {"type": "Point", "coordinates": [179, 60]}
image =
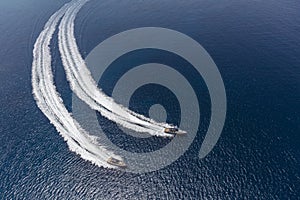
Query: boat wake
{"type": "Point", "coordinates": [83, 85]}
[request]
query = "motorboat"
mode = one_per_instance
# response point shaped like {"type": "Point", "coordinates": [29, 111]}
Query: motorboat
{"type": "Point", "coordinates": [174, 131]}
{"type": "Point", "coordinates": [116, 162]}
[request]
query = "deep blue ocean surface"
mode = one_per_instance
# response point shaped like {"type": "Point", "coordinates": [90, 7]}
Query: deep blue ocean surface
{"type": "Point", "coordinates": [256, 46]}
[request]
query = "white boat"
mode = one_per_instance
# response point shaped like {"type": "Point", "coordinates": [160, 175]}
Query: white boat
{"type": "Point", "coordinates": [116, 162]}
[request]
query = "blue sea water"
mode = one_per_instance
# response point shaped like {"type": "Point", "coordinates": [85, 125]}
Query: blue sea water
{"type": "Point", "coordinates": [255, 45]}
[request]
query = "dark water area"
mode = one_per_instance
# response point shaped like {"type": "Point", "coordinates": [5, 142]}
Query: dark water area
{"type": "Point", "coordinates": [255, 45]}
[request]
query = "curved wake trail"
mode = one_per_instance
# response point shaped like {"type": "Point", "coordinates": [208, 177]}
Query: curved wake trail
{"type": "Point", "coordinates": [86, 88]}
{"type": "Point", "coordinates": [51, 104]}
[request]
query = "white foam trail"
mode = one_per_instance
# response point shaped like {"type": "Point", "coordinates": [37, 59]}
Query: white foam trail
{"type": "Point", "coordinates": [86, 88]}
{"type": "Point", "coordinates": [51, 104]}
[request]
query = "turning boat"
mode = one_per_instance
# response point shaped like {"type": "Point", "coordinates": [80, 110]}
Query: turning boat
{"type": "Point", "coordinates": [116, 162]}
{"type": "Point", "coordinates": [174, 131]}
